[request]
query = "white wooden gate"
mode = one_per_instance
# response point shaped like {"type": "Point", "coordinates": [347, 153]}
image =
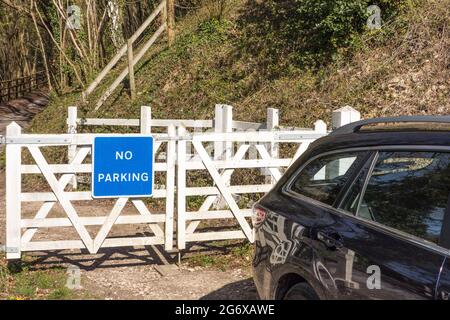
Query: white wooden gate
{"type": "Point", "coordinates": [237, 156]}
{"type": "Point", "coordinates": [20, 230]}
{"type": "Point", "coordinates": [218, 194]}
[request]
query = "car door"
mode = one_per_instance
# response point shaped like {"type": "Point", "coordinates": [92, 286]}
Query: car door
{"type": "Point", "coordinates": [378, 232]}
{"type": "Point", "coordinates": [390, 227]}
{"type": "Point", "coordinates": [316, 187]}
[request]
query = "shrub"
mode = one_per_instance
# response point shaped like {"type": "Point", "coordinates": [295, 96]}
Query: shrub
{"type": "Point", "coordinates": [308, 33]}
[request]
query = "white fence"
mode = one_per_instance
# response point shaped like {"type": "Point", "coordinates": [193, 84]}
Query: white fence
{"type": "Point", "coordinates": [223, 186]}
{"type": "Point", "coordinates": [203, 186]}
{"type": "Point", "coordinates": [222, 123]}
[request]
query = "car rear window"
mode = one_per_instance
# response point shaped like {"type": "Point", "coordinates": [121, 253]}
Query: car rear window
{"type": "Point", "coordinates": [323, 178]}
{"type": "Point", "coordinates": [408, 191]}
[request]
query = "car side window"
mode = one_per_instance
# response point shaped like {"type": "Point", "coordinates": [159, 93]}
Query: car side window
{"type": "Point", "coordinates": [408, 191]}
{"type": "Point", "coordinates": [323, 178]}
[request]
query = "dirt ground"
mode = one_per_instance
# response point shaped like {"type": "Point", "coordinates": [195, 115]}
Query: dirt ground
{"type": "Point", "coordinates": [140, 272]}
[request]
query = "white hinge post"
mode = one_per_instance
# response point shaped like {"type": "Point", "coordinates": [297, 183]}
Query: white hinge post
{"type": "Point", "coordinates": [146, 120]}
{"type": "Point", "coordinates": [272, 122]}
{"type": "Point", "coordinates": [72, 149]}
{"type": "Point", "coordinates": [223, 150]}
{"type": "Point", "coordinates": [13, 192]}
{"type": "Point", "coordinates": [223, 123]}
{"type": "Point", "coordinates": [170, 187]}
{"type": "Point", "coordinates": [343, 116]}
{"type": "Point", "coordinates": [227, 113]}
{"type": "Point", "coordinates": [218, 128]}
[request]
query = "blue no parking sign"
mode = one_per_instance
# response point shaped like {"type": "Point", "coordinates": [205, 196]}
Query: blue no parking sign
{"type": "Point", "coordinates": [122, 167]}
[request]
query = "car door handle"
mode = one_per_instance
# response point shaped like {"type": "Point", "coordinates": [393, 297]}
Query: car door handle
{"type": "Point", "coordinates": [332, 240]}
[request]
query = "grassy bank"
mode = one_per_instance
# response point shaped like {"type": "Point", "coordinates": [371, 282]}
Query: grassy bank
{"type": "Point", "coordinates": [401, 69]}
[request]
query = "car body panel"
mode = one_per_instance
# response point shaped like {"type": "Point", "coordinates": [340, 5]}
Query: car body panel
{"type": "Point", "coordinates": [290, 241]}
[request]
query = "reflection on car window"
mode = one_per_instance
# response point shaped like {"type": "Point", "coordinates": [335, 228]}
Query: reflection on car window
{"type": "Point", "coordinates": [351, 202]}
{"type": "Point", "coordinates": [323, 178]}
{"type": "Point", "coordinates": [408, 191]}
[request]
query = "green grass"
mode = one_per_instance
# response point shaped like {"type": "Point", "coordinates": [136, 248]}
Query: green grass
{"type": "Point", "coordinates": [20, 281]}
{"type": "Point", "coordinates": [239, 256]}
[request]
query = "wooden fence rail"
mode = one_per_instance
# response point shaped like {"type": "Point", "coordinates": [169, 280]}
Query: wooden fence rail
{"type": "Point", "coordinates": [166, 10]}
{"type": "Point", "coordinates": [15, 88]}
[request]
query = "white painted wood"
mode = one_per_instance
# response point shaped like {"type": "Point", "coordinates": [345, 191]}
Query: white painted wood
{"type": "Point", "coordinates": [225, 175]}
{"type": "Point", "coordinates": [227, 127]}
{"type": "Point", "coordinates": [216, 214]}
{"type": "Point", "coordinates": [210, 236]}
{"type": "Point", "coordinates": [89, 221]}
{"type": "Point", "coordinates": [257, 136]}
{"type": "Point", "coordinates": [143, 210]}
{"type": "Point", "coordinates": [58, 168]}
{"type": "Point", "coordinates": [204, 191]}
{"type": "Point", "coordinates": [276, 174]}
{"type": "Point", "coordinates": [109, 122]}
{"type": "Point", "coordinates": [154, 122]}
{"type": "Point", "coordinates": [301, 149]}
{"type": "Point", "coordinates": [273, 122]}
{"type": "Point", "coordinates": [42, 213]}
{"type": "Point", "coordinates": [63, 182]}
{"type": "Point", "coordinates": [128, 242]}
{"type": "Point", "coordinates": [223, 190]}
{"type": "Point", "coordinates": [76, 168]}
{"type": "Point", "coordinates": [320, 127]}
{"type": "Point", "coordinates": [146, 120]}
{"type": "Point", "coordinates": [78, 244]}
{"type": "Point", "coordinates": [72, 196]}
{"type": "Point", "coordinates": [257, 163]}
{"type": "Point", "coordinates": [170, 187]}
{"type": "Point", "coordinates": [60, 195]}
{"type": "Point", "coordinates": [182, 122]}
{"type": "Point", "coordinates": [53, 245]}
{"type": "Point", "coordinates": [87, 139]}
{"type": "Point", "coordinates": [13, 190]}
{"type": "Point", "coordinates": [343, 116]}
{"type": "Point", "coordinates": [109, 222]}
{"type": "Point", "coordinates": [218, 128]}
{"type": "Point", "coordinates": [187, 222]}
{"type": "Point", "coordinates": [181, 189]}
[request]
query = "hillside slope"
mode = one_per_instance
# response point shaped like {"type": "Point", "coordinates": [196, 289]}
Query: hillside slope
{"type": "Point", "coordinates": [404, 68]}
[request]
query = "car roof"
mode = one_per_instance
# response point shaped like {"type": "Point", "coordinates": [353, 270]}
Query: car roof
{"type": "Point", "coordinates": [362, 139]}
{"type": "Point", "coordinates": [401, 122]}
{"type": "Point", "coordinates": [390, 131]}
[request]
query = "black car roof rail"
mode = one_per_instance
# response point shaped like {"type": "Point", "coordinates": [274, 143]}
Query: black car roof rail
{"type": "Point", "coordinates": [356, 126]}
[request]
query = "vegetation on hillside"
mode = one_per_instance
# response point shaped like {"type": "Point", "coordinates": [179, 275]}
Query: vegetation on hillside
{"type": "Point", "coordinates": [255, 54]}
{"type": "Point", "coordinates": [22, 282]}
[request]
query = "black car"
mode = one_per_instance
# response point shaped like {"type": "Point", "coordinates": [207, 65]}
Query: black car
{"type": "Point", "coordinates": [362, 214]}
